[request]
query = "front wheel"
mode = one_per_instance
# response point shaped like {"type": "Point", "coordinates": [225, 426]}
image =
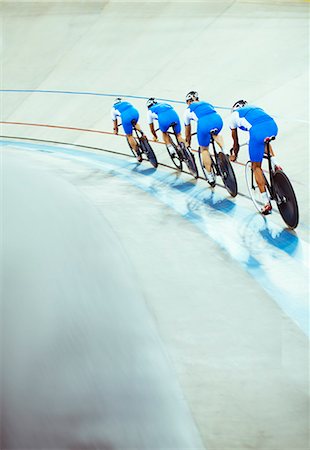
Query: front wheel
{"type": "Point", "coordinates": [227, 173]}
{"type": "Point", "coordinates": [190, 160]}
{"type": "Point", "coordinates": [286, 199]}
{"type": "Point", "coordinates": [147, 149]}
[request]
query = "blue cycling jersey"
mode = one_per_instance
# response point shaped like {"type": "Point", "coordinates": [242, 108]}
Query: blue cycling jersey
{"type": "Point", "coordinates": [122, 106]}
{"type": "Point", "coordinates": [201, 108]}
{"type": "Point", "coordinates": [160, 108]}
{"type": "Point", "coordinates": [259, 124]}
{"type": "Point", "coordinates": [253, 114]}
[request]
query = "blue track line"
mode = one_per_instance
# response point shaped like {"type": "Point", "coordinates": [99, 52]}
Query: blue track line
{"type": "Point", "coordinates": [101, 94]}
{"type": "Point", "coordinates": [98, 94]}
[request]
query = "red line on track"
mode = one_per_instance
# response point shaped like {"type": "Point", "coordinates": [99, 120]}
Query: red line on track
{"type": "Point", "coordinates": [87, 130]}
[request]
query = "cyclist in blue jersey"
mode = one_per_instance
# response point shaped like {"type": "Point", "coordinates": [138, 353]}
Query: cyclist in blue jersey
{"type": "Point", "coordinates": [260, 126]}
{"type": "Point", "coordinates": [207, 119]}
{"type": "Point", "coordinates": [166, 116]}
{"type": "Point", "coordinates": [127, 113]}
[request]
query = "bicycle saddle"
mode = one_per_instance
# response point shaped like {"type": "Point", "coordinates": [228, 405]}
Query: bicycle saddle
{"type": "Point", "coordinates": [214, 131]}
{"type": "Point", "coordinates": [268, 139]}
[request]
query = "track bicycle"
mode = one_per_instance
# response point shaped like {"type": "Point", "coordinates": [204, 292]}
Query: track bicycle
{"type": "Point", "coordinates": [180, 153]}
{"type": "Point", "coordinates": [220, 166]}
{"type": "Point", "coordinates": [143, 145]}
{"type": "Point", "coordinates": [278, 186]}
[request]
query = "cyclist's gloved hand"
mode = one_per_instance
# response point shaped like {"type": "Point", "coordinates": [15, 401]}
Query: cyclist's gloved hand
{"type": "Point", "coordinates": [234, 153]}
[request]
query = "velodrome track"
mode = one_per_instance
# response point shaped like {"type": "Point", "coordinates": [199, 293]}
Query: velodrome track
{"type": "Point", "coordinates": [142, 309]}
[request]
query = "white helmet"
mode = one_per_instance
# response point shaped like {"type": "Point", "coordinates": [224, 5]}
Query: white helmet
{"type": "Point", "coordinates": [192, 95]}
{"type": "Point", "coordinates": [239, 104]}
{"type": "Point", "coordinates": [151, 101]}
{"type": "Point", "coordinates": [117, 100]}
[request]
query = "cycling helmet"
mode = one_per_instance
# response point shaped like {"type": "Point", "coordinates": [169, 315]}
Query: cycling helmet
{"type": "Point", "coordinates": [239, 104]}
{"type": "Point", "coordinates": [151, 101]}
{"type": "Point", "coordinates": [192, 95]}
{"type": "Point", "coordinates": [117, 100]}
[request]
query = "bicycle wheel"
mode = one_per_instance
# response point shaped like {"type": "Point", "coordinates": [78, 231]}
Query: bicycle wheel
{"type": "Point", "coordinates": [227, 173]}
{"type": "Point", "coordinates": [147, 149]}
{"type": "Point", "coordinates": [190, 160]}
{"type": "Point", "coordinates": [253, 187]}
{"type": "Point", "coordinates": [174, 155]}
{"type": "Point", "coordinates": [286, 199]}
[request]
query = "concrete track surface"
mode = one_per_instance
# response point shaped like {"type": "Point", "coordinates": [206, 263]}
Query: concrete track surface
{"type": "Point", "coordinates": [139, 308]}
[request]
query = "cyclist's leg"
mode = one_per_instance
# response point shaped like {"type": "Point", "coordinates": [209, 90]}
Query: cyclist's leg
{"type": "Point", "coordinates": [134, 146]}
{"type": "Point", "coordinates": [219, 140]}
{"type": "Point", "coordinates": [164, 121]}
{"type": "Point", "coordinates": [138, 127]}
{"type": "Point", "coordinates": [204, 137]}
{"type": "Point", "coordinates": [259, 177]}
{"type": "Point", "coordinates": [177, 127]}
{"type": "Point", "coordinates": [260, 180]}
{"type": "Point", "coordinates": [256, 150]}
{"type": "Point", "coordinates": [271, 129]}
{"type": "Point", "coordinates": [127, 119]}
{"type": "Point", "coordinates": [132, 142]}
{"type": "Point", "coordinates": [180, 138]}
{"type": "Point", "coordinates": [166, 138]}
{"type": "Point", "coordinates": [205, 155]}
{"type": "Point", "coordinates": [130, 116]}
{"type": "Point", "coordinates": [216, 121]}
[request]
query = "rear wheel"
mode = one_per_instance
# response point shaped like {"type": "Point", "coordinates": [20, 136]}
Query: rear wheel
{"type": "Point", "coordinates": [286, 199]}
{"type": "Point", "coordinates": [147, 149]}
{"type": "Point", "coordinates": [227, 173]}
{"type": "Point", "coordinates": [253, 187]}
{"type": "Point", "coordinates": [174, 155]}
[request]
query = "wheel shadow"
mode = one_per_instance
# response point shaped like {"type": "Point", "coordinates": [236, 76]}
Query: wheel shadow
{"type": "Point", "coordinates": [285, 240]}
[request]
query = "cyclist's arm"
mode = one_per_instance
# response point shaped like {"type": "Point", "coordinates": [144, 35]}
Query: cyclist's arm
{"type": "Point", "coordinates": [115, 126]}
{"type": "Point", "coordinates": [188, 135]}
{"type": "Point", "coordinates": [114, 115]}
{"type": "Point", "coordinates": [151, 118]}
{"type": "Point", "coordinates": [234, 134]}
{"type": "Point", "coordinates": [233, 125]}
{"type": "Point", "coordinates": [187, 123]}
{"type": "Point", "coordinates": [152, 128]}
